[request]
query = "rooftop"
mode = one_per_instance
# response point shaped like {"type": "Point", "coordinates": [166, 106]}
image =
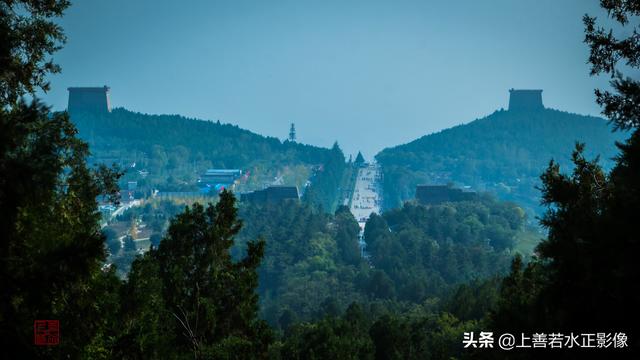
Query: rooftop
{"type": "Point", "coordinates": [85, 89]}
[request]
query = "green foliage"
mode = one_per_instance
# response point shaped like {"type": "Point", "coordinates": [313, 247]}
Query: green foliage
{"type": "Point", "coordinates": [473, 300]}
{"type": "Point", "coordinates": [326, 184]}
{"type": "Point", "coordinates": [186, 297]}
{"type": "Point", "coordinates": [52, 246]}
{"type": "Point", "coordinates": [359, 159]}
{"type": "Point", "coordinates": [503, 153]}
{"type": "Point", "coordinates": [342, 338]}
{"type": "Point", "coordinates": [112, 241]}
{"type": "Point", "coordinates": [589, 261]}
{"type": "Point", "coordinates": [312, 264]}
{"type": "Point", "coordinates": [606, 51]}
{"type": "Point", "coordinates": [174, 150]}
{"type": "Point", "coordinates": [304, 260]}
{"type": "Point", "coordinates": [416, 335]}
{"type": "Point", "coordinates": [129, 243]}
{"type": "Point", "coordinates": [424, 337]}
{"type": "Point", "coordinates": [146, 329]}
{"type": "Point", "coordinates": [346, 235]}
{"type": "Point", "coordinates": [423, 251]}
{"type": "Point", "coordinates": [29, 34]}
{"type": "Point", "coordinates": [585, 264]}
{"type": "Point", "coordinates": [191, 289]}
{"type": "Point", "coordinates": [431, 271]}
{"type": "Point", "coordinates": [229, 145]}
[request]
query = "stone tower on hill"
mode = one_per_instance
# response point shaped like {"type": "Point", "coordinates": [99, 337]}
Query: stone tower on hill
{"type": "Point", "coordinates": [525, 100]}
{"type": "Point", "coordinates": [89, 99]}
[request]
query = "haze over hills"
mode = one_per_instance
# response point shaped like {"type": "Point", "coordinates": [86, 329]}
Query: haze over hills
{"type": "Point", "coordinates": [229, 144]}
{"type": "Point", "coordinates": [202, 248]}
{"type": "Point", "coordinates": [174, 150]}
{"type": "Point", "coordinates": [383, 61]}
{"type": "Point", "coordinates": [504, 153]}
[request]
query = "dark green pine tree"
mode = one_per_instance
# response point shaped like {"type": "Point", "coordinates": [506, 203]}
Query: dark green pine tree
{"type": "Point", "coordinates": [189, 298]}
{"type": "Point", "coordinates": [343, 337]}
{"type": "Point", "coordinates": [359, 159]}
{"type": "Point", "coordinates": [51, 246]}
{"type": "Point", "coordinates": [28, 36]}
{"type": "Point", "coordinates": [346, 235]}
{"type": "Point", "coordinates": [587, 277]}
{"type": "Point", "coordinates": [325, 185]}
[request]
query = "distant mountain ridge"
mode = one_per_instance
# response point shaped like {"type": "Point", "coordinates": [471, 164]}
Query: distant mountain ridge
{"type": "Point", "coordinates": [504, 153]}
{"type": "Point", "coordinates": [175, 149]}
{"type": "Point", "coordinates": [145, 130]}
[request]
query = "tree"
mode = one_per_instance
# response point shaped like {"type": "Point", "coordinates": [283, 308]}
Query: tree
{"type": "Point", "coordinates": [287, 319]}
{"type": "Point", "coordinates": [29, 35]}
{"type": "Point", "coordinates": [51, 246]}
{"type": "Point", "coordinates": [129, 243]}
{"type": "Point", "coordinates": [111, 238]}
{"type": "Point", "coordinates": [347, 230]}
{"type": "Point", "coordinates": [205, 300]}
{"type": "Point", "coordinates": [359, 159]}
{"type": "Point", "coordinates": [606, 52]}
{"type": "Point", "coordinates": [155, 240]}
{"type": "Point", "coordinates": [325, 184]}
{"type": "Point", "coordinates": [343, 337]}
{"type": "Point", "coordinates": [589, 261]}
{"type": "Point", "coordinates": [381, 286]}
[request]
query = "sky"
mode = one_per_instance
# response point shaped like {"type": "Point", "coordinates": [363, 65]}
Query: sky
{"type": "Point", "coordinates": [369, 74]}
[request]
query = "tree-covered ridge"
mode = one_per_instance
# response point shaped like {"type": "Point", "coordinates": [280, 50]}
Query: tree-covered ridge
{"type": "Point", "coordinates": [228, 144]}
{"type": "Point", "coordinates": [174, 149]}
{"type": "Point", "coordinates": [504, 153]}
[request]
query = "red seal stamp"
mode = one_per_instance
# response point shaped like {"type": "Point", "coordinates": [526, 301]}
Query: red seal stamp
{"type": "Point", "coordinates": [46, 332]}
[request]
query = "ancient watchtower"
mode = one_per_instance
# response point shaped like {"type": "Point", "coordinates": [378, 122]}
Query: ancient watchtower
{"type": "Point", "coordinates": [525, 100]}
{"type": "Point", "coordinates": [89, 99]}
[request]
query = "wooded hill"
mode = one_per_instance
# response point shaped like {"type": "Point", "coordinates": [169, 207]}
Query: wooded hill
{"type": "Point", "coordinates": [503, 153]}
{"type": "Point", "coordinates": [174, 150]}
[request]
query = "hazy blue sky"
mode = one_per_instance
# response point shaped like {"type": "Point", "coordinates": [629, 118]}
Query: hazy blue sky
{"type": "Point", "coordinates": [369, 74]}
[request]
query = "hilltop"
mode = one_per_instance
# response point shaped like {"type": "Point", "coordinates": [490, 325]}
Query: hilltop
{"type": "Point", "coordinates": [504, 153]}
{"type": "Point", "coordinates": [171, 150]}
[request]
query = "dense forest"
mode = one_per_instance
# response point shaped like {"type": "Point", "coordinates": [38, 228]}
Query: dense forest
{"type": "Point", "coordinates": [504, 153]}
{"type": "Point", "coordinates": [286, 281]}
{"type": "Point", "coordinates": [416, 254]}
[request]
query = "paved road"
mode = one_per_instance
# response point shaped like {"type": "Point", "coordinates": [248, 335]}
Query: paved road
{"type": "Point", "coordinates": [366, 199]}
{"type": "Point", "coordinates": [121, 209]}
{"type": "Point", "coordinates": [124, 207]}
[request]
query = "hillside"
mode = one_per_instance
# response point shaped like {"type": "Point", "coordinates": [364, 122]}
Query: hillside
{"type": "Point", "coordinates": [171, 151]}
{"type": "Point", "coordinates": [504, 153]}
